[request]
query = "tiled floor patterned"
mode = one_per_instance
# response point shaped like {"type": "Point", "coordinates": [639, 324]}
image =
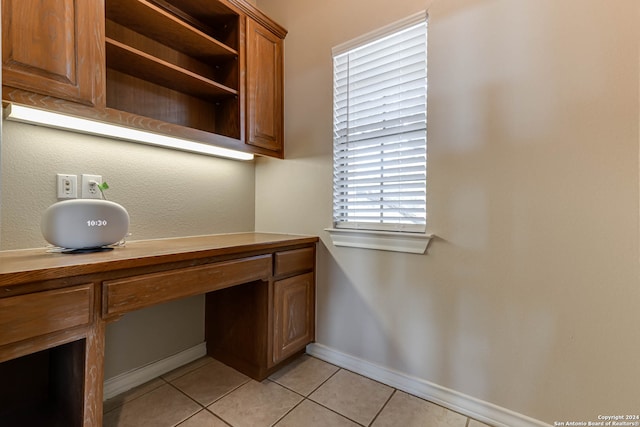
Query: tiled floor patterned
{"type": "Point", "coordinates": [307, 393]}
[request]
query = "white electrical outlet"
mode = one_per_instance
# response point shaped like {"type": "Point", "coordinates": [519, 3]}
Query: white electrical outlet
{"type": "Point", "coordinates": [67, 186]}
{"type": "Point", "coordinates": [90, 188]}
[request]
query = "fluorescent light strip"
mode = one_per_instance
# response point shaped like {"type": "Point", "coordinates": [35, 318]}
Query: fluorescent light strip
{"type": "Point", "coordinates": [36, 116]}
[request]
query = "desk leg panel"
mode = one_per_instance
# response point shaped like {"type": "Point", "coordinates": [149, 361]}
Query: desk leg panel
{"type": "Point", "coordinates": [94, 375]}
{"type": "Point", "coordinates": [236, 327]}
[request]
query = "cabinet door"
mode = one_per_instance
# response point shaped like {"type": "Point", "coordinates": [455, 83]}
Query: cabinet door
{"type": "Point", "coordinates": [294, 315]}
{"type": "Point", "coordinates": [54, 48]}
{"type": "Point", "coordinates": [264, 88]}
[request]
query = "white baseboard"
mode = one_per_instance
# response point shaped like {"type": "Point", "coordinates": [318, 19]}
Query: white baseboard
{"type": "Point", "coordinates": [477, 409]}
{"type": "Point", "coordinates": [123, 382]}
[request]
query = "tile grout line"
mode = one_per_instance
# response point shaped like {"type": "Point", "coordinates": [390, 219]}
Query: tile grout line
{"type": "Point", "coordinates": [338, 413]}
{"type": "Point", "coordinates": [360, 375]}
{"type": "Point", "coordinates": [206, 408]}
{"type": "Point", "coordinates": [220, 418]}
{"type": "Point", "coordinates": [383, 406]}
{"type": "Point", "coordinates": [135, 398]}
{"type": "Point", "coordinates": [188, 370]}
{"type": "Point", "coordinates": [312, 391]}
{"type": "Point", "coordinates": [467, 423]}
{"type": "Point", "coordinates": [289, 411]}
{"type": "Point", "coordinates": [215, 400]}
{"type": "Point", "coordinates": [299, 394]}
{"type": "Point", "coordinates": [190, 398]}
{"type": "Point", "coordinates": [187, 419]}
{"type": "Point", "coordinates": [325, 407]}
{"type": "Point", "coordinates": [308, 398]}
{"type": "Point", "coordinates": [278, 421]}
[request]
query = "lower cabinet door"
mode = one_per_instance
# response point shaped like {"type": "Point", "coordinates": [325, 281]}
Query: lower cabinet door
{"type": "Point", "coordinates": [294, 315]}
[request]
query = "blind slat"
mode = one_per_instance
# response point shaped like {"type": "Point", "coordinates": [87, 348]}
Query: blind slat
{"type": "Point", "coordinates": [361, 205]}
{"type": "Point", "coordinates": [355, 153]}
{"type": "Point", "coordinates": [383, 180]}
{"type": "Point", "coordinates": [380, 131]}
{"type": "Point", "coordinates": [367, 143]}
{"type": "Point", "coordinates": [379, 161]}
{"type": "Point", "coordinates": [385, 92]}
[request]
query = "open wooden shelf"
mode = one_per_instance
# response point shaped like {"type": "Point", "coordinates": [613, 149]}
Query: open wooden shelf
{"type": "Point", "coordinates": [208, 70]}
{"type": "Point", "coordinates": [167, 65]}
{"type": "Point", "coordinates": [149, 19]}
{"type": "Point", "coordinates": [142, 65]}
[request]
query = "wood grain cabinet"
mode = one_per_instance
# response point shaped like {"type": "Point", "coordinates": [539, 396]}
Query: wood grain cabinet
{"type": "Point", "coordinates": [46, 338]}
{"type": "Point", "coordinates": [265, 78]}
{"type": "Point", "coordinates": [278, 313]}
{"type": "Point", "coordinates": [40, 313]}
{"type": "Point", "coordinates": [293, 302]}
{"type": "Point", "coordinates": [176, 62]}
{"type": "Point", "coordinates": [259, 313]}
{"type": "Point", "coordinates": [293, 308]}
{"type": "Point", "coordinates": [54, 48]}
{"type": "Point", "coordinates": [209, 71]}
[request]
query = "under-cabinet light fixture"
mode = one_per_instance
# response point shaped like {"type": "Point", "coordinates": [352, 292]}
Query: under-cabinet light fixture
{"type": "Point", "coordinates": [40, 117]}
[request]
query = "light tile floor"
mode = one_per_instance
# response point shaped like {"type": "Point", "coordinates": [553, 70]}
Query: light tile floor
{"type": "Point", "coordinates": [306, 393]}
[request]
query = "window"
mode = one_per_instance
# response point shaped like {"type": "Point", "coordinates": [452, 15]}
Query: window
{"type": "Point", "coordinates": [380, 129]}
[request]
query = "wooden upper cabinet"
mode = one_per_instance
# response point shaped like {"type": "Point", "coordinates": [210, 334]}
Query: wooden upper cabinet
{"type": "Point", "coordinates": [209, 71]}
{"type": "Point", "coordinates": [54, 48]}
{"type": "Point", "coordinates": [265, 122]}
{"type": "Point", "coordinates": [175, 62]}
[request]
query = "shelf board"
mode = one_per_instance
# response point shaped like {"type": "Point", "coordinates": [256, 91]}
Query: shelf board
{"type": "Point", "coordinates": [155, 22]}
{"type": "Point", "coordinates": [131, 61]}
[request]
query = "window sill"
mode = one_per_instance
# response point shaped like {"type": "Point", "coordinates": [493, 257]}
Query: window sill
{"type": "Point", "coordinates": [414, 243]}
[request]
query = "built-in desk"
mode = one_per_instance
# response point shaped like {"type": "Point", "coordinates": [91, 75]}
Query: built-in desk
{"type": "Point", "coordinates": [260, 299]}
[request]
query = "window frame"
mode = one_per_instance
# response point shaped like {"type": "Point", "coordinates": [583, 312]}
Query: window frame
{"type": "Point", "coordinates": [390, 236]}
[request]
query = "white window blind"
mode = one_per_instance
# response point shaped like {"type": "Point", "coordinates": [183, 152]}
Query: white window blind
{"type": "Point", "coordinates": [380, 122]}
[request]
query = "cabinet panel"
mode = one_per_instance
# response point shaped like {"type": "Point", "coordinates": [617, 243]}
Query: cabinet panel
{"type": "Point", "coordinates": [236, 327]}
{"type": "Point", "coordinates": [54, 47]}
{"type": "Point", "coordinates": [40, 313]}
{"type": "Point", "coordinates": [264, 88]}
{"type": "Point", "coordinates": [44, 388]}
{"type": "Point", "coordinates": [294, 315]}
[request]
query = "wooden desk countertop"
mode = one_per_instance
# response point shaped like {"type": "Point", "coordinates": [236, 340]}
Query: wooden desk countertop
{"type": "Point", "coordinates": [28, 265]}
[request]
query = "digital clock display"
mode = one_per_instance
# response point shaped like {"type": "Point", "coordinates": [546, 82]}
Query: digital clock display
{"type": "Point", "coordinates": [96, 223]}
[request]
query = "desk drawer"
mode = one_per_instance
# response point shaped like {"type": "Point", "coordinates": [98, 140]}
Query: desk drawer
{"type": "Point", "coordinates": [295, 261]}
{"type": "Point", "coordinates": [123, 295]}
{"type": "Point", "coordinates": [40, 313]}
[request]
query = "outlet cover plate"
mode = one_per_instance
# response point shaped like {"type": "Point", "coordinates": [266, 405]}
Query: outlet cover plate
{"type": "Point", "coordinates": [67, 186]}
{"type": "Point", "coordinates": [90, 191]}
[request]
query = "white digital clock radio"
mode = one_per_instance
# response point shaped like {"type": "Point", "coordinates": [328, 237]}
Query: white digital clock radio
{"type": "Point", "coordinates": [84, 223]}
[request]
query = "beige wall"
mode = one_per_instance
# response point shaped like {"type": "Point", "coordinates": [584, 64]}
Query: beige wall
{"type": "Point", "coordinates": [167, 193]}
{"type": "Point", "coordinates": [528, 299]}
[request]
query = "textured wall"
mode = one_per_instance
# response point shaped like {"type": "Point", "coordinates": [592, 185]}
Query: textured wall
{"type": "Point", "coordinates": [528, 298]}
{"type": "Point", "coordinates": [167, 194]}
